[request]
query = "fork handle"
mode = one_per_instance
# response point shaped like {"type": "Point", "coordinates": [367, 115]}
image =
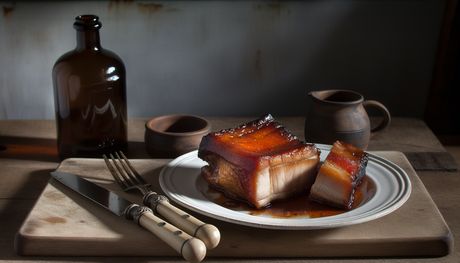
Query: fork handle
{"type": "Point", "coordinates": [207, 233]}
{"type": "Point", "coordinates": [192, 249]}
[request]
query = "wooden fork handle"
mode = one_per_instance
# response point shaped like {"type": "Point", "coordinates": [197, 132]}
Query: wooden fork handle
{"type": "Point", "coordinates": [207, 233]}
{"type": "Point", "coordinates": [191, 248]}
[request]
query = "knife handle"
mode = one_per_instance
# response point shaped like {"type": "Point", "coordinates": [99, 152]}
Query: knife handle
{"type": "Point", "coordinates": [207, 233]}
{"type": "Point", "coordinates": [191, 249]}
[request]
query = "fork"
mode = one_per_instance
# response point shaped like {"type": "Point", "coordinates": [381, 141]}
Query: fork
{"type": "Point", "coordinates": [128, 178]}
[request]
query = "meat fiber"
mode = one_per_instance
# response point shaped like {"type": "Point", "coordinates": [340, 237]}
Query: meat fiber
{"type": "Point", "coordinates": [340, 175]}
{"type": "Point", "coordinates": [259, 162]}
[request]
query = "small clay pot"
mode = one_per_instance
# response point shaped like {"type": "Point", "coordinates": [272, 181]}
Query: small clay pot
{"type": "Point", "coordinates": [170, 136]}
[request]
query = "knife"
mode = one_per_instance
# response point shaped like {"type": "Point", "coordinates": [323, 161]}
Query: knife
{"type": "Point", "coordinates": [192, 249]}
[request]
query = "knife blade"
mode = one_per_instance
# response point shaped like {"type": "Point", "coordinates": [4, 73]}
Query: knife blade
{"type": "Point", "coordinates": [192, 249]}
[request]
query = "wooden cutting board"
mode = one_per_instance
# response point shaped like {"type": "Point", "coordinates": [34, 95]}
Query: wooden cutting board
{"type": "Point", "coordinates": [64, 223]}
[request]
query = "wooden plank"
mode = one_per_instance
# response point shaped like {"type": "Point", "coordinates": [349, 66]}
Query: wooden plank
{"type": "Point", "coordinates": [12, 213]}
{"type": "Point", "coordinates": [64, 223]}
{"type": "Point", "coordinates": [24, 179]}
{"type": "Point", "coordinates": [432, 161]}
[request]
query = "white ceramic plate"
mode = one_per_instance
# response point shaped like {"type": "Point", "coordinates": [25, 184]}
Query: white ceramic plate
{"type": "Point", "coordinates": [182, 182]}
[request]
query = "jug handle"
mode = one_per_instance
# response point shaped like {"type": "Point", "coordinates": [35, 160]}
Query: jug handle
{"type": "Point", "coordinates": [386, 116]}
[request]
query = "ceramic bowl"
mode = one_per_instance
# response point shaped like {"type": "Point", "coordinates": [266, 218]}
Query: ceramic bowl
{"type": "Point", "coordinates": [170, 136]}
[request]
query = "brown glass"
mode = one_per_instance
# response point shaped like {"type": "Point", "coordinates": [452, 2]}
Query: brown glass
{"type": "Point", "coordinates": [90, 96]}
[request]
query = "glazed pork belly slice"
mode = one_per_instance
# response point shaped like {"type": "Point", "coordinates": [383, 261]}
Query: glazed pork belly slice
{"type": "Point", "coordinates": [258, 162]}
{"type": "Point", "coordinates": [340, 175]}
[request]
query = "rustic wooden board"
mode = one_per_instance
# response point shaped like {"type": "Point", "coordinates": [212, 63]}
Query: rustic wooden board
{"type": "Point", "coordinates": [64, 223]}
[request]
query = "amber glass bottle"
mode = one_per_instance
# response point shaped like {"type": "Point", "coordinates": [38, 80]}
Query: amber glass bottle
{"type": "Point", "coordinates": [90, 96]}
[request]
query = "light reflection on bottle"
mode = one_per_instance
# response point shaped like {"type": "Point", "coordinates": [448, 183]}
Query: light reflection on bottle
{"type": "Point", "coordinates": [113, 78]}
{"type": "Point", "coordinates": [103, 109]}
{"type": "Point", "coordinates": [85, 111]}
{"type": "Point", "coordinates": [74, 87]}
{"type": "Point", "coordinates": [63, 72]}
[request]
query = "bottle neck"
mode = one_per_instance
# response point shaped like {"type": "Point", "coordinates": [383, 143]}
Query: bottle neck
{"type": "Point", "coordinates": [87, 27]}
{"type": "Point", "coordinates": [88, 39]}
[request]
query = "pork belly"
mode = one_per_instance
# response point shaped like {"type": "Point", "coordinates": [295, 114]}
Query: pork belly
{"type": "Point", "coordinates": [340, 175]}
{"type": "Point", "coordinates": [258, 162]}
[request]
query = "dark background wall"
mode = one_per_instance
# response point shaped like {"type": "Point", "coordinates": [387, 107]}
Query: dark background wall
{"type": "Point", "coordinates": [442, 112]}
{"type": "Point", "coordinates": [229, 58]}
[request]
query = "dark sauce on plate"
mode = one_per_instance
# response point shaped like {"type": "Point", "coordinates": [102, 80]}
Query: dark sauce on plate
{"type": "Point", "coordinates": [296, 207]}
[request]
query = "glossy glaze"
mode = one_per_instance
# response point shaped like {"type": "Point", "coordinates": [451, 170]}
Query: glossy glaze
{"type": "Point", "coordinates": [299, 206]}
{"type": "Point", "coordinates": [340, 175]}
{"type": "Point", "coordinates": [259, 161]}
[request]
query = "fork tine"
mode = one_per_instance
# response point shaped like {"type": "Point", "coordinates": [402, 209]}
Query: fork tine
{"type": "Point", "coordinates": [126, 177]}
{"type": "Point", "coordinates": [132, 179]}
{"type": "Point", "coordinates": [136, 174]}
{"type": "Point", "coordinates": [124, 174]}
{"type": "Point", "coordinates": [120, 182]}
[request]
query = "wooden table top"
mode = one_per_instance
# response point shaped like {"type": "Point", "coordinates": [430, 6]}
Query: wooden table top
{"type": "Point", "coordinates": [28, 154]}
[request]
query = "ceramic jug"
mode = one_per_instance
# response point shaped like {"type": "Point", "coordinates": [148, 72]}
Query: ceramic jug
{"type": "Point", "coordinates": [339, 115]}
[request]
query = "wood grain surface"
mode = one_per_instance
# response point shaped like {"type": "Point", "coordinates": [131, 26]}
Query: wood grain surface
{"type": "Point", "coordinates": [63, 223]}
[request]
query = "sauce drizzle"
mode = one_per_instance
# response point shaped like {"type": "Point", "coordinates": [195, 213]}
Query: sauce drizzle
{"type": "Point", "coordinates": [296, 207]}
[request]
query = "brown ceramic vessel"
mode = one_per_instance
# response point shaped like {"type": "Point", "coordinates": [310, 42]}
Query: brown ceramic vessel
{"type": "Point", "coordinates": [170, 136]}
{"type": "Point", "coordinates": [339, 115]}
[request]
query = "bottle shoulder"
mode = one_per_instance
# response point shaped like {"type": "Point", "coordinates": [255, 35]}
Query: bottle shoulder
{"type": "Point", "coordinates": [66, 56]}
{"type": "Point", "coordinates": [109, 53]}
{"type": "Point", "coordinates": [89, 58]}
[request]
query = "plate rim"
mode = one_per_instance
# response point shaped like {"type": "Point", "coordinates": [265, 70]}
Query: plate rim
{"type": "Point", "coordinates": [399, 174]}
